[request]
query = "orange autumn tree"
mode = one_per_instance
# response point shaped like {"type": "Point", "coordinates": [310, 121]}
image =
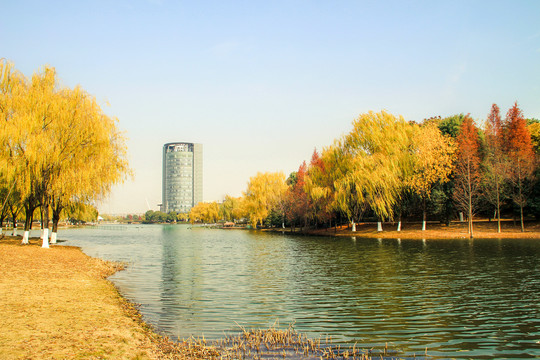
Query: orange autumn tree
{"type": "Point", "coordinates": [495, 163]}
{"type": "Point", "coordinates": [518, 147]}
{"type": "Point", "coordinates": [467, 170]}
{"type": "Point", "coordinates": [296, 199]}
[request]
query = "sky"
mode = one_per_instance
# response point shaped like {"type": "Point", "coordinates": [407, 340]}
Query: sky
{"type": "Point", "coordinates": [262, 84]}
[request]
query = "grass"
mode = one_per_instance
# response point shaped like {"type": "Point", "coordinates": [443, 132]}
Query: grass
{"type": "Point", "coordinates": [56, 303]}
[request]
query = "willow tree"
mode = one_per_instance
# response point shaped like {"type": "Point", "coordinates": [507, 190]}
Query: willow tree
{"type": "Point", "coordinates": [86, 160]}
{"type": "Point", "coordinates": [27, 113]}
{"type": "Point", "coordinates": [13, 87]}
{"type": "Point", "coordinates": [58, 144]}
{"type": "Point", "coordinates": [265, 192]}
{"type": "Point", "coordinates": [378, 154]}
{"type": "Point", "coordinates": [204, 212]}
{"type": "Point", "coordinates": [232, 208]}
{"type": "Point", "coordinates": [344, 184]}
{"type": "Point", "coordinates": [433, 161]}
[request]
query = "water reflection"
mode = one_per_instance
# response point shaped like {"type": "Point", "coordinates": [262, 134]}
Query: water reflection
{"type": "Point", "coordinates": [459, 298]}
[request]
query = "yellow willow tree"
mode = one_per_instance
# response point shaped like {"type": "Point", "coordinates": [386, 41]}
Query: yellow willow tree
{"type": "Point", "coordinates": [88, 158]}
{"type": "Point", "coordinates": [60, 145]}
{"type": "Point", "coordinates": [378, 151]}
{"type": "Point", "coordinates": [340, 184]}
{"type": "Point", "coordinates": [232, 208]}
{"type": "Point", "coordinates": [12, 88]}
{"type": "Point", "coordinates": [204, 212]}
{"type": "Point", "coordinates": [31, 115]}
{"type": "Point", "coordinates": [433, 162]}
{"type": "Point", "coordinates": [264, 193]}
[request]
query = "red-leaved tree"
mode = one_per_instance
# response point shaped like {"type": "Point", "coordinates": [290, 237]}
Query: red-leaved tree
{"type": "Point", "coordinates": [519, 149]}
{"type": "Point", "coordinates": [467, 171]}
{"type": "Point", "coordinates": [297, 199]}
{"type": "Point", "coordinates": [495, 163]}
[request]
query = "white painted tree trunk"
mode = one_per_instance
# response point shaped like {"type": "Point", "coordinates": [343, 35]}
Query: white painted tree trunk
{"type": "Point", "coordinates": [399, 226]}
{"type": "Point", "coordinates": [25, 237]}
{"type": "Point", "coordinates": [353, 226]}
{"type": "Point", "coordinates": [423, 225]}
{"type": "Point", "coordinates": [0, 231]}
{"type": "Point", "coordinates": [53, 238]}
{"type": "Point", "coordinates": [14, 231]}
{"type": "Point", "coordinates": [379, 226]}
{"type": "Point", "coordinates": [45, 238]}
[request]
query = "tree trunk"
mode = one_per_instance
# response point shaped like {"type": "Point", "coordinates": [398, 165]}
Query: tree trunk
{"type": "Point", "coordinates": [498, 211]}
{"type": "Point", "coordinates": [353, 226]}
{"type": "Point", "coordinates": [424, 211]}
{"type": "Point", "coordinates": [379, 226]}
{"type": "Point", "coordinates": [55, 219]}
{"type": "Point", "coordinates": [28, 223]}
{"type": "Point", "coordinates": [521, 213]}
{"type": "Point", "coordinates": [470, 200]}
{"type": "Point", "coordinates": [521, 202]}
{"type": "Point", "coordinates": [14, 215]}
{"type": "Point", "coordinates": [45, 202]}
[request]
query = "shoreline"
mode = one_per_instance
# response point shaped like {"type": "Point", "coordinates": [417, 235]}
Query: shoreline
{"type": "Point", "coordinates": [59, 303]}
{"type": "Point", "coordinates": [434, 231]}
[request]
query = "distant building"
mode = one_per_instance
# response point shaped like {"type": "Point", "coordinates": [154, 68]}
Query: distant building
{"type": "Point", "coordinates": [182, 176]}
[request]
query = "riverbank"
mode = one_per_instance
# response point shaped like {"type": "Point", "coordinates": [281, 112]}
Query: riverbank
{"type": "Point", "coordinates": [482, 229]}
{"type": "Point", "coordinates": [56, 303]}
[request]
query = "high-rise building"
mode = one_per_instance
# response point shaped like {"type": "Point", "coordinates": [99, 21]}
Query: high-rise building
{"type": "Point", "coordinates": [182, 186]}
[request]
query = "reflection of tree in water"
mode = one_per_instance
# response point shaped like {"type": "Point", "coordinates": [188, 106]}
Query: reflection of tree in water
{"type": "Point", "coordinates": [447, 296]}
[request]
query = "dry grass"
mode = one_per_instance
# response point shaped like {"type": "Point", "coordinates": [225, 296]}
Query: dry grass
{"type": "Point", "coordinates": [55, 304]}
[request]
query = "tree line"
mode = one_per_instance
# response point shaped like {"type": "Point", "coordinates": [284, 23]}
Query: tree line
{"type": "Point", "coordinates": [58, 150]}
{"type": "Point", "coordinates": [386, 169]}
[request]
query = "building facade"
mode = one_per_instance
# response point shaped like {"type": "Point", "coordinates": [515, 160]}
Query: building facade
{"type": "Point", "coordinates": [182, 183]}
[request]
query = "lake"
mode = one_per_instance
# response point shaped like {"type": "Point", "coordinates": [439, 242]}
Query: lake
{"type": "Point", "coordinates": [456, 298]}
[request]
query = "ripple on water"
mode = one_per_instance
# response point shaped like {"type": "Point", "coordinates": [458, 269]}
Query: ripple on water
{"type": "Point", "coordinates": [457, 299]}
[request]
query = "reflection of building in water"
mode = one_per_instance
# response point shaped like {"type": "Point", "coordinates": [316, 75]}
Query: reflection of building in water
{"type": "Point", "coordinates": [182, 177]}
{"type": "Point", "coordinates": [181, 286]}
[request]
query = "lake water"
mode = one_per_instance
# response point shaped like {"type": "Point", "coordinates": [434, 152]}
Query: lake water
{"type": "Point", "coordinates": [456, 298]}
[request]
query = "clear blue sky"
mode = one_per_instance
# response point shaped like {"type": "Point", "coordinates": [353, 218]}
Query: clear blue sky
{"type": "Point", "coordinates": [262, 83]}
